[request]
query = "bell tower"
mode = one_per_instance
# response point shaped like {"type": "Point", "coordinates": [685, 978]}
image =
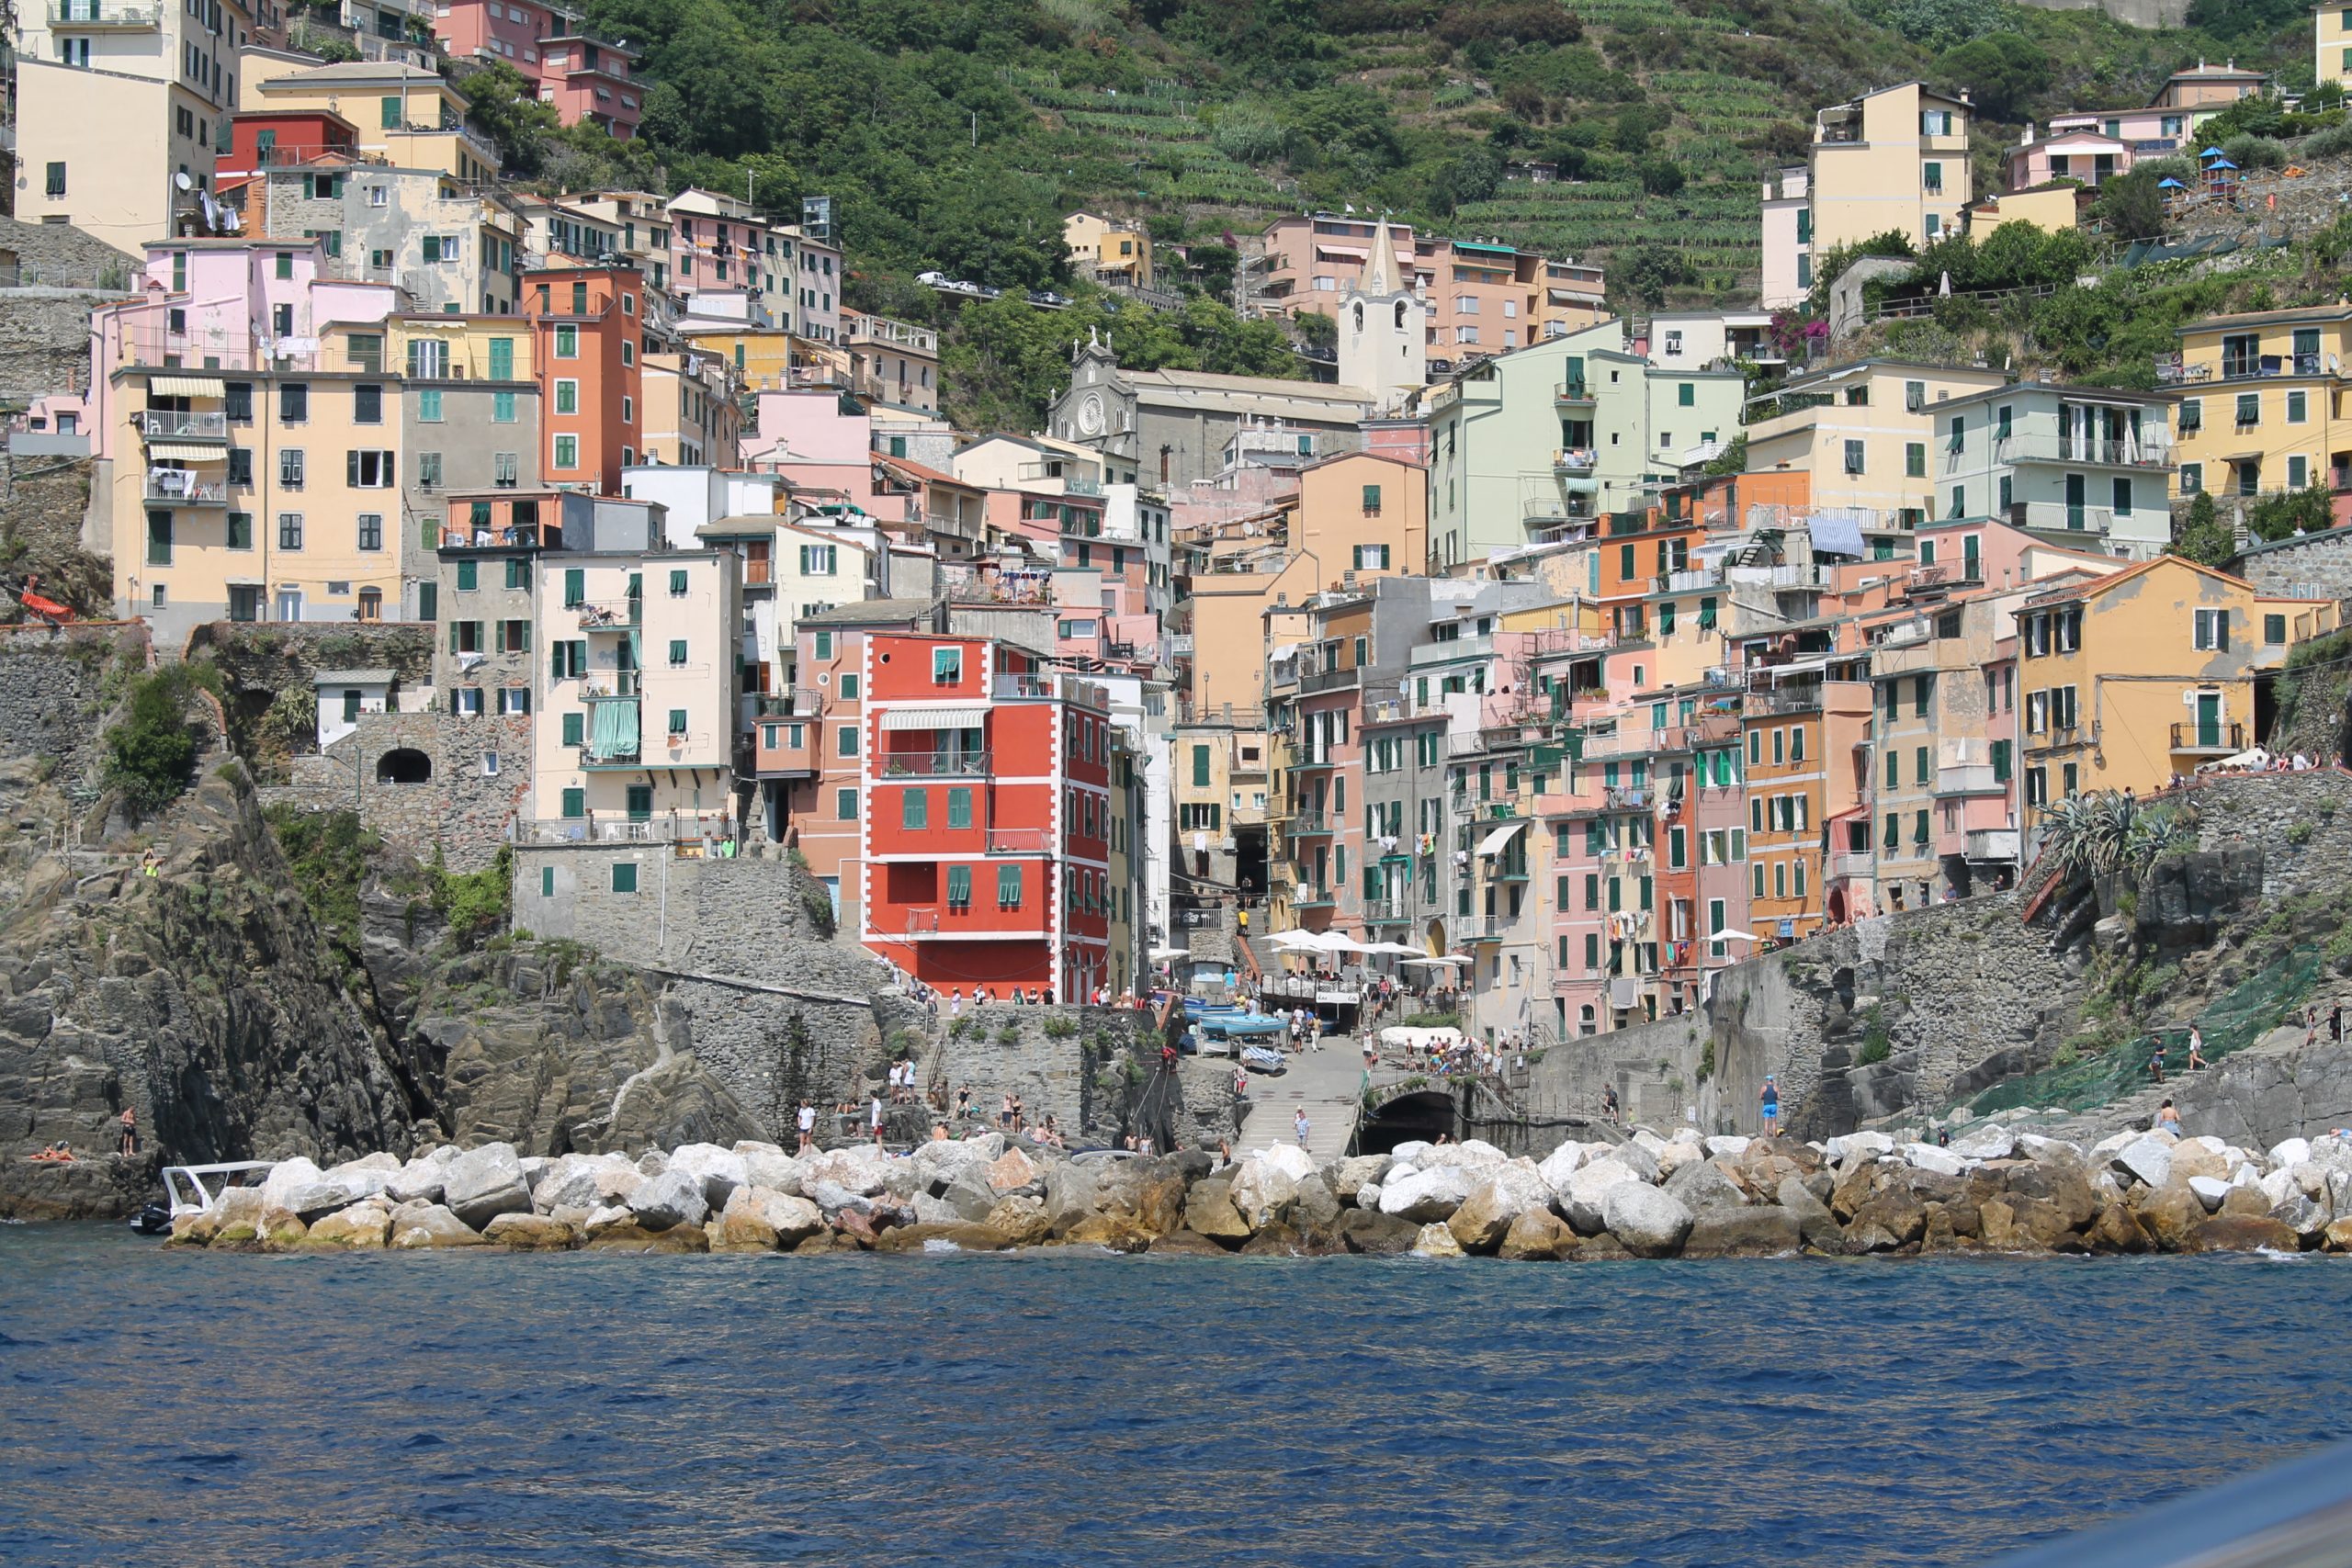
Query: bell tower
{"type": "Point", "coordinates": [1383, 329]}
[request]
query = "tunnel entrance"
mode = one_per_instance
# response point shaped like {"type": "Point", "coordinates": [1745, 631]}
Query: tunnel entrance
{"type": "Point", "coordinates": [1424, 1115]}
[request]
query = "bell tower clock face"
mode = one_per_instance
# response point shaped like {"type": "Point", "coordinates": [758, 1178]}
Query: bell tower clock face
{"type": "Point", "coordinates": [1089, 415]}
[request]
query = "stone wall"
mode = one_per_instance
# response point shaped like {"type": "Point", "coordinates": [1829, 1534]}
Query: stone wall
{"type": "Point", "coordinates": [460, 813]}
{"type": "Point", "coordinates": [1654, 1068]}
{"type": "Point", "coordinates": [1080, 1077]}
{"type": "Point", "coordinates": [51, 687]}
{"type": "Point", "coordinates": [2301, 822]}
{"type": "Point", "coordinates": [2317, 565]}
{"type": "Point", "coordinates": [50, 253]}
{"type": "Point", "coordinates": [45, 341]}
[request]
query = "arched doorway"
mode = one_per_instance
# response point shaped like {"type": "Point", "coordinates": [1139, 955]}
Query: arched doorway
{"type": "Point", "coordinates": [403, 765]}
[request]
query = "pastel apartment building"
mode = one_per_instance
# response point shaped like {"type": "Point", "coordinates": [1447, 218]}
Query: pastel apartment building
{"type": "Point", "coordinates": [1482, 299]}
{"type": "Point", "coordinates": [587, 80]}
{"type": "Point", "coordinates": [249, 440]}
{"type": "Point", "coordinates": [2080, 461]}
{"type": "Point", "coordinates": [2257, 400]}
{"type": "Point", "coordinates": [1892, 160]}
{"type": "Point", "coordinates": [1110, 248]}
{"type": "Point", "coordinates": [116, 101]}
{"type": "Point", "coordinates": [1863, 435]}
{"type": "Point", "coordinates": [407, 117]}
{"type": "Point", "coordinates": [589, 323]}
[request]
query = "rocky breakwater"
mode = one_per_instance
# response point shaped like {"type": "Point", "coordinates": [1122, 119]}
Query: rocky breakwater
{"type": "Point", "coordinates": [1649, 1197]}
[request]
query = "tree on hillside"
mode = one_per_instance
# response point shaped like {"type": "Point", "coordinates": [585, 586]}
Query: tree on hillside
{"type": "Point", "coordinates": [2200, 535]}
{"type": "Point", "coordinates": [1654, 270]}
{"type": "Point", "coordinates": [1470, 175]}
{"type": "Point", "coordinates": [1999, 72]}
{"type": "Point", "coordinates": [2132, 206]}
{"type": "Point", "coordinates": [504, 105]}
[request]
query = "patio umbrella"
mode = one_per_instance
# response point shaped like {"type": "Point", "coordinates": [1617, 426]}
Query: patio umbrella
{"type": "Point", "coordinates": [2169, 184]}
{"type": "Point", "coordinates": [1295, 942]}
{"type": "Point", "coordinates": [1448, 961]}
{"type": "Point", "coordinates": [1396, 947]}
{"type": "Point", "coordinates": [1162, 955]}
{"type": "Point", "coordinates": [2213, 153]}
{"type": "Point", "coordinates": [2219, 164]}
{"type": "Point", "coordinates": [1728, 934]}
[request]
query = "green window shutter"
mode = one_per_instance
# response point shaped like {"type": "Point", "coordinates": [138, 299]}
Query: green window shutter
{"type": "Point", "coordinates": [677, 721]}
{"type": "Point", "coordinates": [575, 802]}
{"type": "Point", "coordinates": [517, 576]}
{"type": "Point", "coordinates": [959, 884]}
{"type": "Point", "coordinates": [959, 808]}
{"type": "Point", "coordinates": [1200, 767]}
{"type": "Point", "coordinates": [453, 636]}
{"type": "Point", "coordinates": [677, 651]}
{"type": "Point", "coordinates": [575, 587]}
{"type": "Point", "coordinates": [522, 637]}
{"type": "Point", "coordinates": [1740, 843]}
{"type": "Point", "coordinates": [547, 882]}
{"type": "Point", "coordinates": [428, 600]}
{"type": "Point", "coordinates": [914, 809]}
{"type": "Point", "coordinates": [573, 725]}
{"type": "Point", "coordinates": [677, 584]}
{"type": "Point", "coordinates": [467, 576]}
{"type": "Point", "coordinates": [624, 877]}
{"type": "Point", "coordinates": [1007, 886]}
{"type": "Point", "coordinates": [1646, 893]}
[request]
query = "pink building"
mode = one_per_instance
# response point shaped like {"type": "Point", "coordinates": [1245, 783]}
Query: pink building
{"type": "Point", "coordinates": [1482, 298]}
{"type": "Point", "coordinates": [2095, 148]}
{"type": "Point", "coordinates": [586, 79]}
{"type": "Point", "coordinates": [808, 437]}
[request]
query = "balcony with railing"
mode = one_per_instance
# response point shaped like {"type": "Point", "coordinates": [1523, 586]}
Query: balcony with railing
{"type": "Point", "coordinates": [2218, 739]}
{"type": "Point", "coordinates": [1307, 895]}
{"type": "Point", "coordinates": [178, 487]}
{"type": "Point", "coordinates": [1388, 911]}
{"type": "Point", "coordinates": [611, 614]}
{"type": "Point", "coordinates": [1792, 699]}
{"type": "Point", "coordinates": [86, 16]}
{"type": "Point", "coordinates": [2241, 365]}
{"type": "Point", "coordinates": [1574, 391]}
{"type": "Point", "coordinates": [797, 701]}
{"type": "Point", "coordinates": [1574, 460]}
{"type": "Point", "coordinates": [687, 829]}
{"type": "Point", "coordinates": [164, 424]}
{"type": "Point", "coordinates": [943, 762]}
{"type": "Point", "coordinates": [1020, 841]}
{"type": "Point", "coordinates": [1307, 825]}
{"type": "Point", "coordinates": [1991, 844]}
{"type": "Point", "coordinates": [1329, 680]}
{"type": "Point", "coordinates": [1969, 778]}
{"type": "Point", "coordinates": [1855, 865]}
{"type": "Point", "coordinates": [2147, 450]}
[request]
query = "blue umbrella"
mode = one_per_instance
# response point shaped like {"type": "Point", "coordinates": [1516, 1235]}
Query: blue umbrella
{"type": "Point", "coordinates": [2170, 185]}
{"type": "Point", "coordinates": [2213, 153]}
{"type": "Point", "coordinates": [2220, 163]}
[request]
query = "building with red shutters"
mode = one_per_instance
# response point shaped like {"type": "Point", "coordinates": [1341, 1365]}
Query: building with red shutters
{"type": "Point", "coordinates": [984, 837]}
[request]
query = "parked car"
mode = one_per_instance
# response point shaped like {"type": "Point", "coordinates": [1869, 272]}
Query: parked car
{"type": "Point", "coordinates": [932, 279]}
{"type": "Point", "coordinates": [1049, 299]}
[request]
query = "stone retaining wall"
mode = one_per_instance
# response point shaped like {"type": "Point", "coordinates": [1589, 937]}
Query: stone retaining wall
{"type": "Point", "coordinates": [460, 813]}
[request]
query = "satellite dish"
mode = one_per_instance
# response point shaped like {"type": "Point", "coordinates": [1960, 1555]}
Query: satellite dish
{"type": "Point", "coordinates": [182, 181]}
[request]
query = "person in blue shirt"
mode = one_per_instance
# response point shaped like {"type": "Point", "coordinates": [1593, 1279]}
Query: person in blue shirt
{"type": "Point", "coordinates": [1770, 1099]}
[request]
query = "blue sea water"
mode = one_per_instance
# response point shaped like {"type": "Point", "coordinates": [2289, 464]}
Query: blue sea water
{"type": "Point", "coordinates": [186, 1409]}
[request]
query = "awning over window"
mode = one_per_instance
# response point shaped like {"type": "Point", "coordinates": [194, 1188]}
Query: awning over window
{"type": "Point", "coordinates": [934, 718]}
{"type": "Point", "coordinates": [1493, 842]}
{"type": "Point", "coordinates": [186, 387]}
{"type": "Point", "coordinates": [185, 452]}
{"type": "Point", "coordinates": [1836, 532]}
{"type": "Point", "coordinates": [1343, 253]}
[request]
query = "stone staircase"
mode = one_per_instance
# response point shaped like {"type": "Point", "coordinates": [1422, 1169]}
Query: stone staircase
{"type": "Point", "coordinates": [1326, 1084]}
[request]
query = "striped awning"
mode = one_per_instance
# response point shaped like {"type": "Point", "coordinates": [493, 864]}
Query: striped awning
{"type": "Point", "coordinates": [187, 386]}
{"type": "Point", "coordinates": [934, 718]}
{"type": "Point", "coordinates": [184, 452]}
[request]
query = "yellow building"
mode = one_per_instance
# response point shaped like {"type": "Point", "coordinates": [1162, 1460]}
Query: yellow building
{"type": "Point", "coordinates": [2048, 208]}
{"type": "Point", "coordinates": [1116, 252]}
{"type": "Point", "coordinates": [692, 413]}
{"type": "Point", "coordinates": [1868, 435]}
{"type": "Point", "coordinates": [2259, 402]}
{"type": "Point", "coordinates": [300, 520]}
{"type": "Point", "coordinates": [2334, 41]}
{"type": "Point", "coordinates": [638, 688]}
{"type": "Point", "coordinates": [410, 117]}
{"type": "Point", "coordinates": [1896, 159]}
{"type": "Point", "coordinates": [2127, 680]}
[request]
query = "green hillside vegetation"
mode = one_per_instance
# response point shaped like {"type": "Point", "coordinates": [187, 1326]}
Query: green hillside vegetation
{"type": "Point", "coordinates": [955, 134]}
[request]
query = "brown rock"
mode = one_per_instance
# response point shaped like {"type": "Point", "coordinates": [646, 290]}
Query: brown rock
{"type": "Point", "coordinates": [2244, 1200]}
{"type": "Point", "coordinates": [1998, 1227]}
{"type": "Point", "coordinates": [1763, 1230]}
{"type": "Point", "coordinates": [2246, 1233]}
{"type": "Point", "coordinates": [2064, 1186]}
{"type": "Point", "coordinates": [1966, 1216]}
{"type": "Point", "coordinates": [1276, 1240]}
{"type": "Point", "coordinates": [1120, 1232]}
{"type": "Point", "coordinates": [2338, 1235]}
{"type": "Point", "coordinates": [2116, 1229]}
{"type": "Point", "coordinates": [857, 1227]}
{"type": "Point", "coordinates": [2041, 1225]}
{"type": "Point", "coordinates": [1602, 1248]}
{"type": "Point", "coordinates": [1011, 1171]}
{"type": "Point", "coordinates": [2170, 1215]}
{"type": "Point", "coordinates": [1538, 1236]}
{"type": "Point", "coordinates": [636, 1238]}
{"type": "Point", "coordinates": [1893, 1219]}
{"type": "Point", "coordinates": [1022, 1219]}
{"type": "Point", "coordinates": [963, 1236]}
{"type": "Point", "coordinates": [1382, 1236]}
{"type": "Point", "coordinates": [824, 1241]}
{"type": "Point", "coordinates": [531, 1233]}
{"type": "Point", "coordinates": [361, 1227]}
{"type": "Point", "coordinates": [1485, 1217]}
{"type": "Point", "coordinates": [1184, 1244]}
{"type": "Point", "coordinates": [1209, 1212]}
{"type": "Point", "coordinates": [1939, 1236]}
{"type": "Point", "coordinates": [1855, 1187]}
{"type": "Point", "coordinates": [2195, 1159]}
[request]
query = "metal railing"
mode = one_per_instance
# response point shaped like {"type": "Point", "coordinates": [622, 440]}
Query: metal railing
{"type": "Point", "coordinates": [2126, 452]}
{"type": "Point", "coordinates": [942, 764]}
{"type": "Point", "coordinates": [1572, 392]}
{"type": "Point", "coordinates": [72, 14]}
{"type": "Point", "coordinates": [1019, 841]}
{"type": "Point", "coordinates": [800, 701]}
{"type": "Point", "coordinates": [192, 493]}
{"type": "Point", "coordinates": [619, 828]}
{"type": "Point", "coordinates": [162, 425]}
{"type": "Point", "coordinates": [613, 614]}
{"type": "Point", "coordinates": [1388, 911]}
{"type": "Point", "coordinates": [1306, 824]}
{"type": "Point", "coordinates": [2194, 736]}
{"type": "Point", "coordinates": [1329, 680]}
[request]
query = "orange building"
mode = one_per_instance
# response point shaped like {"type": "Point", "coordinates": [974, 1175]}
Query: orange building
{"type": "Point", "coordinates": [590, 326]}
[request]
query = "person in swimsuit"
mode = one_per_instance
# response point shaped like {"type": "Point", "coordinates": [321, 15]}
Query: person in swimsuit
{"type": "Point", "coordinates": [1770, 1101]}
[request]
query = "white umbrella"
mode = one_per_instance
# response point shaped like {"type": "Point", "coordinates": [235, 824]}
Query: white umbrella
{"type": "Point", "coordinates": [1398, 948]}
{"type": "Point", "coordinates": [1162, 955]}
{"type": "Point", "coordinates": [1727, 934]}
{"type": "Point", "coordinates": [1945, 287]}
{"type": "Point", "coordinates": [1448, 961]}
{"type": "Point", "coordinates": [1296, 942]}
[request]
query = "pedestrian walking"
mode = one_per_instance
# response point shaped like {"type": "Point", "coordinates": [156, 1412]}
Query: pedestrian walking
{"type": "Point", "coordinates": [963, 1102]}
{"type": "Point", "coordinates": [1299, 1122]}
{"type": "Point", "coordinates": [874, 1113]}
{"type": "Point", "coordinates": [806, 1121]}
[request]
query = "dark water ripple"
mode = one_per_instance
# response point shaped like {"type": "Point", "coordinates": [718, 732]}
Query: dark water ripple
{"type": "Point", "coordinates": [246, 1412]}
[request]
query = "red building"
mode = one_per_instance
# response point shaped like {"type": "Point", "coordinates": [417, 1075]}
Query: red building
{"type": "Point", "coordinates": [278, 138]}
{"type": "Point", "coordinates": [590, 322]}
{"type": "Point", "coordinates": [985, 852]}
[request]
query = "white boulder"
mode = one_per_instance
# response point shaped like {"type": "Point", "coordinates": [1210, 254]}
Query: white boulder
{"type": "Point", "coordinates": [285, 1177]}
{"type": "Point", "coordinates": [1581, 1203]}
{"type": "Point", "coordinates": [673, 1198]}
{"type": "Point", "coordinates": [719, 1170]}
{"type": "Point", "coordinates": [1929, 1156]}
{"type": "Point", "coordinates": [1563, 1163]}
{"type": "Point", "coordinates": [1650, 1223]}
{"type": "Point", "coordinates": [1426, 1196]}
{"type": "Point", "coordinates": [1728, 1143]}
{"type": "Point", "coordinates": [2210, 1190]}
{"type": "Point", "coordinates": [860, 1168]}
{"type": "Point", "coordinates": [2294, 1151]}
{"type": "Point", "coordinates": [2146, 1159]}
{"type": "Point", "coordinates": [483, 1183]}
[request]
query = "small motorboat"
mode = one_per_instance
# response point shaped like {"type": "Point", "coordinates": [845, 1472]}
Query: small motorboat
{"type": "Point", "coordinates": [152, 1219]}
{"type": "Point", "coordinates": [1266, 1062]}
{"type": "Point", "coordinates": [193, 1189]}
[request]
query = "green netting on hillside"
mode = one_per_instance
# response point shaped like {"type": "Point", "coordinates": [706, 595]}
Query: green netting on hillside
{"type": "Point", "coordinates": [2234, 1020]}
